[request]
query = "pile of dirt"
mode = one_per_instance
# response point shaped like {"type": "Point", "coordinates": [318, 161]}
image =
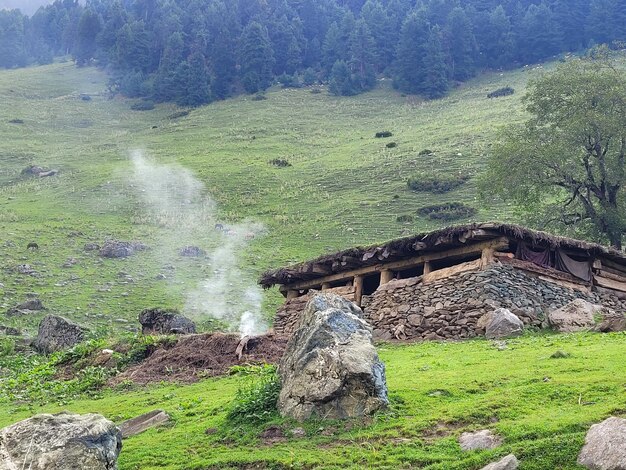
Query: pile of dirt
{"type": "Point", "coordinates": [204, 355]}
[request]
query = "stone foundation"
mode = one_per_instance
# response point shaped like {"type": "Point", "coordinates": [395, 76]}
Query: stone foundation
{"type": "Point", "coordinates": [450, 308]}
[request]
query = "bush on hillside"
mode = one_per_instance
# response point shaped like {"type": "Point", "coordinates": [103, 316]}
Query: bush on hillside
{"type": "Point", "coordinates": [391, 145]}
{"type": "Point", "coordinates": [425, 152]}
{"type": "Point", "coordinates": [436, 184]}
{"type": "Point", "coordinates": [316, 91]}
{"type": "Point", "coordinates": [144, 105]}
{"type": "Point", "coordinates": [178, 114]}
{"type": "Point", "coordinates": [280, 162]}
{"type": "Point", "coordinates": [447, 212]}
{"type": "Point", "coordinates": [256, 403]}
{"type": "Point", "coordinates": [383, 134]}
{"type": "Point", "coordinates": [16, 121]}
{"type": "Point", "coordinates": [506, 91]}
{"type": "Point", "coordinates": [404, 218]}
{"type": "Point", "coordinates": [259, 97]}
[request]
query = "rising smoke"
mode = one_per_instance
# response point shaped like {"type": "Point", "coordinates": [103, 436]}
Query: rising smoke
{"type": "Point", "coordinates": [175, 200]}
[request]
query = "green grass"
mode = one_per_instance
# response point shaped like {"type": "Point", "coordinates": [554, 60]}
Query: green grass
{"type": "Point", "coordinates": [541, 406]}
{"type": "Point", "coordinates": [344, 187]}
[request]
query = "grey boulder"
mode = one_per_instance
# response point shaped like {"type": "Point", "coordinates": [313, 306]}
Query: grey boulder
{"type": "Point", "coordinates": [330, 368]}
{"type": "Point", "coordinates": [57, 333]}
{"type": "Point", "coordinates": [501, 323]}
{"type": "Point", "coordinates": [159, 321]}
{"type": "Point", "coordinates": [479, 440]}
{"type": "Point", "coordinates": [605, 446]}
{"type": "Point", "coordinates": [577, 315]}
{"type": "Point", "coordinates": [509, 462]}
{"type": "Point", "coordinates": [63, 441]}
{"type": "Point", "coordinates": [143, 422]}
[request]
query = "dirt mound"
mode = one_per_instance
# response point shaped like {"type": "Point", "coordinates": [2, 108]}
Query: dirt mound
{"type": "Point", "coordinates": [204, 355]}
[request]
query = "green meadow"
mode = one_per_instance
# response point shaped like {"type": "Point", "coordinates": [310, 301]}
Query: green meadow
{"type": "Point", "coordinates": [343, 187]}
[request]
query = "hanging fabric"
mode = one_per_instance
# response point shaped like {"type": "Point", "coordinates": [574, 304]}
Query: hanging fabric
{"type": "Point", "coordinates": [579, 269]}
{"type": "Point", "coordinates": [538, 256]}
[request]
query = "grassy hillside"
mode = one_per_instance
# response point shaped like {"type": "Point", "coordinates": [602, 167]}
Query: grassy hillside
{"type": "Point", "coordinates": [344, 187]}
{"type": "Point", "coordinates": [542, 406]}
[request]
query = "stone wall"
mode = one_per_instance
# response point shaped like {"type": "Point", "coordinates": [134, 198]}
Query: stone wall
{"type": "Point", "coordinates": [450, 308]}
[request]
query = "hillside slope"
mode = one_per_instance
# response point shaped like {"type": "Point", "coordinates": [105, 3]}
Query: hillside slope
{"type": "Point", "coordinates": [344, 187]}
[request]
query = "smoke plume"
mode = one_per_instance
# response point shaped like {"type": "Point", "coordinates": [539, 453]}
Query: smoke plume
{"type": "Point", "coordinates": [177, 202]}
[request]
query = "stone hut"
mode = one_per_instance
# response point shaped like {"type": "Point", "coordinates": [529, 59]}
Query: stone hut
{"type": "Point", "coordinates": [437, 285]}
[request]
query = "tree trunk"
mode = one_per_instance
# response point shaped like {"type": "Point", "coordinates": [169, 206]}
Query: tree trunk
{"type": "Point", "coordinates": [615, 237]}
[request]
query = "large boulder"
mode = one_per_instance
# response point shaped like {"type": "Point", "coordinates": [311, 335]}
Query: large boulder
{"type": "Point", "coordinates": [578, 315]}
{"type": "Point", "coordinates": [509, 462]}
{"type": "Point", "coordinates": [612, 321]}
{"type": "Point", "coordinates": [29, 306]}
{"type": "Point", "coordinates": [61, 441]}
{"type": "Point", "coordinates": [501, 323]}
{"type": "Point", "coordinates": [605, 446]}
{"type": "Point", "coordinates": [330, 368]}
{"type": "Point", "coordinates": [159, 321]}
{"type": "Point", "coordinates": [57, 333]}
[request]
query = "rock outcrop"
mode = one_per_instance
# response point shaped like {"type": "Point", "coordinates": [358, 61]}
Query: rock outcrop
{"type": "Point", "coordinates": [605, 446]}
{"type": "Point", "coordinates": [611, 322]}
{"type": "Point", "coordinates": [509, 462]}
{"type": "Point", "coordinates": [63, 441]}
{"type": "Point", "coordinates": [57, 333]}
{"type": "Point", "coordinates": [30, 305]}
{"type": "Point", "coordinates": [578, 315]}
{"type": "Point", "coordinates": [330, 368]}
{"type": "Point", "coordinates": [501, 323]}
{"type": "Point", "coordinates": [159, 321]}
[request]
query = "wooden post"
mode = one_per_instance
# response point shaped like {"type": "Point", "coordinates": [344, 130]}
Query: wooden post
{"type": "Point", "coordinates": [386, 275]}
{"type": "Point", "coordinates": [486, 257]}
{"type": "Point", "coordinates": [427, 268]}
{"type": "Point", "coordinates": [358, 289]}
{"type": "Point", "coordinates": [292, 294]}
{"type": "Point", "coordinates": [325, 286]}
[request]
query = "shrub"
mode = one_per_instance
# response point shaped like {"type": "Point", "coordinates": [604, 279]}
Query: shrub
{"type": "Point", "coordinates": [309, 77]}
{"type": "Point", "coordinates": [178, 114]}
{"type": "Point", "coordinates": [259, 97]}
{"type": "Point", "coordinates": [391, 145]}
{"type": "Point", "coordinates": [279, 162]}
{"type": "Point", "coordinates": [316, 90]}
{"type": "Point", "coordinates": [425, 152]}
{"type": "Point", "coordinates": [405, 218]}
{"type": "Point", "coordinates": [144, 105]}
{"type": "Point", "coordinates": [7, 347]}
{"type": "Point", "coordinates": [290, 81]}
{"type": "Point", "coordinates": [436, 184]}
{"type": "Point", "coordinates": [383, 134]}
{"type": "Point", "coordinates": [256, 403]}
{"type": "Point", "coordinates": [16, 121]}
{"type": "Point", "coordinates": [506, 91]}
{"type": "Point", "coordinates": [448, 211]}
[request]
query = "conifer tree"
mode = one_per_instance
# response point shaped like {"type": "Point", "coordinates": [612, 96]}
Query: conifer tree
{"type": "Point", "coordinates": [435, 84]}
{"type": "Point", "coordinates": [256, 58]}
{"type": "Point", "coordinates": [461, 44]}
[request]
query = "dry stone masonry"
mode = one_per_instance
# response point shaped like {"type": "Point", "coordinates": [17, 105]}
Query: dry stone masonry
{"type": "Point", "coordinates": [450, 308]}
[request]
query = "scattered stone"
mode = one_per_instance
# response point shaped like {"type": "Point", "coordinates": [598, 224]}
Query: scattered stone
{"type": "Point", "coordinates": [69, 263]}
{"type": "Point", "coordinates": [509, 462]}
{"type": "Point", "coordinates": [298, 432]}
{"type": "Point", "coordinates": [91, 247]}
{"type": "Point", "coordinates": [192, 251]}
{"type": "Point", "coordinates": [160, 277]}
{"type": "Point", "coordinates": [34, 170]}
{"type": "Point", "coordinates": [9, 331]}
{"type": "Point", "coordinates": [503, 324]}
{"type": "Point", "coordinates": [120, 249]}
{"type": "Point", "coordinates": [57, 333]}
{"type": "Point", "coordinates": [330, 368]}
{"type": "Point", "coordinates": [605, 445]}
{"type": "Point", "coordinates": [159, 321]}
{"type": "Point", "coordinates": [26, 307]}
{"type": "Point", "coordinates": [143, 422]}
{"type": "Point", "coordinates": [578, 315]}
{"type": "Point", "coordinates": [61, 441]}
{"type": "Point", "coordinates": [479, 440]}
{"type": "Point", "coordinates": [26, 269]}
